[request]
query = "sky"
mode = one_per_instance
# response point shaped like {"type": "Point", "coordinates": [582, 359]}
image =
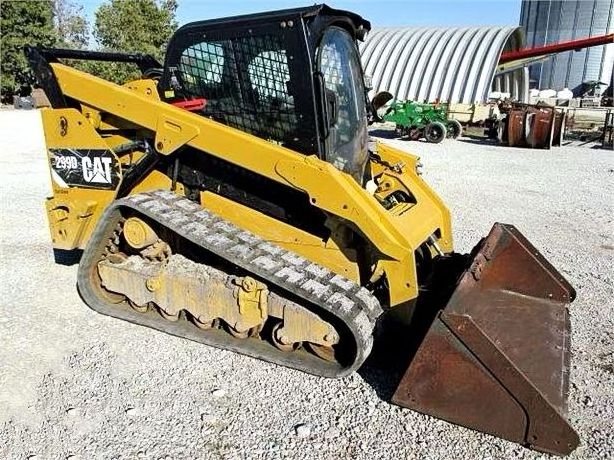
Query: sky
{"type": "Point", "coordinates": [380, 13]}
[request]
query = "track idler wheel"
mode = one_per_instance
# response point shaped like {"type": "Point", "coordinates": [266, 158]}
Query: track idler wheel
{"type": "Point", "coordinates": [321, 351]}
{"type": "Point", "coordinates": [237, 334]}
{"type": "Point", "coordinates": [140, 308]}
{"type": "Point", "coordinates": [204, 325]}
{"type": "Point", "coordinates": [279, 343]}
{"type": "Point", "coordinates": [168, 316]}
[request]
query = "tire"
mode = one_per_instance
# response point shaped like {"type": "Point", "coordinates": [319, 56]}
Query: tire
{"type": "Point", "coordinates": [455, 129]}
{"type": "Point", "coordinates": [435, 132]}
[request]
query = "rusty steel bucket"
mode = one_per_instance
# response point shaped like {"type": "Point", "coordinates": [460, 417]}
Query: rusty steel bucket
{"type": "Point", "coordinates": [515, 128]}
{"type": "Point", "coordinates": [539, 126]}
{"type": "Point", "coordinates": [496, 358]}
{"type": "Point", "coordinates": [560, 118]}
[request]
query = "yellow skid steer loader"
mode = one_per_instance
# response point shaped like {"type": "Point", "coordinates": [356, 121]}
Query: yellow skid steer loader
{"type": "Point", "coordinates": [230, 197]}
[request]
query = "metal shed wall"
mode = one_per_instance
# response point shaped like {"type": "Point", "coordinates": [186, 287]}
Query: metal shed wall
{"type": "Point", "coordinates": [548, 22]}
{"type": "Point", "coordinates": [447, 64]}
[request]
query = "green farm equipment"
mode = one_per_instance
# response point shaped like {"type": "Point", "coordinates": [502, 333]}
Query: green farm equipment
{"type": "Point", "coordinates": [415, 120]}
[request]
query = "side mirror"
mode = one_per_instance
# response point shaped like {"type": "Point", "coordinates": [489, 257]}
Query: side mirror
{"type": "Point", "coordinates": [361, 33]}
{"type": "Point", "coordinates": [378, 105]}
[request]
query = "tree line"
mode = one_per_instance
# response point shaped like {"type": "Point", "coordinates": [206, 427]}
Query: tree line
{"type": "Point", "coordinates": [142, 26]}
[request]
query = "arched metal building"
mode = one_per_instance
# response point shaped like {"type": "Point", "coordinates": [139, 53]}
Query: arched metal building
{"type": "Point", "coordinates": [446, 64]}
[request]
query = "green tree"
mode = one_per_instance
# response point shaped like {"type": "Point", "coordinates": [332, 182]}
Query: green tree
{"type": "Point", "coordinates": [22, 23]}
{"type": "Point", "coordinates": [143, 26]}
{"type": "Point", "coordinates": [71, 27]}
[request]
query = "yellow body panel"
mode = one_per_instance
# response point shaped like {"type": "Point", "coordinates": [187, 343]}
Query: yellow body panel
{"type": "Point", "coordinates": [394, 234]}
{"type": "Point", "coordinates": [282, 234]}
{"type": "Point", "coordinates": [74, 211]}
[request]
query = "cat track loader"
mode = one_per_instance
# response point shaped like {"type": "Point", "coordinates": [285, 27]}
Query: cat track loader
{"type": "Point", "coordinates": [231, 197]}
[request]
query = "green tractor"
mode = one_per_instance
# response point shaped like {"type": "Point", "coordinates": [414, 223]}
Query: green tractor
{"type": "Point", "coordinates": [415, 120]}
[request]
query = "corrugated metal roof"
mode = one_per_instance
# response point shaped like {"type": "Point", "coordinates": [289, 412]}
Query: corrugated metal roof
{"type": "Point", "coordinates": [446, 64]}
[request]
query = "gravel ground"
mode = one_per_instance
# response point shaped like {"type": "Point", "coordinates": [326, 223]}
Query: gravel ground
{"type": "Point", "coordinates": [75, 384]}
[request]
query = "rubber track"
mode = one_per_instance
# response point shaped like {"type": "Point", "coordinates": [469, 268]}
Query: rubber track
{"type": "Point", "coordinates": [352, 304]}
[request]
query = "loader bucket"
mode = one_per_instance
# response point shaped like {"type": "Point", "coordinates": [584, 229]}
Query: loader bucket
{"type": "Point", "coordinates": [496, 358]}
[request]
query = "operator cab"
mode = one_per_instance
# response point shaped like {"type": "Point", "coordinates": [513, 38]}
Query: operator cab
{"type": "Point", "coordinates": [292, 77]}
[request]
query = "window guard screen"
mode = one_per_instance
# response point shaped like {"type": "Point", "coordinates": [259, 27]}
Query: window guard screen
{"type": "Point", "coordinates": [246, 84]}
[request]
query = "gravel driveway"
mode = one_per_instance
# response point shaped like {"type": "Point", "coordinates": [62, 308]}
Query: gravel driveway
{"type": "Point", "coordinates": [75, 384]}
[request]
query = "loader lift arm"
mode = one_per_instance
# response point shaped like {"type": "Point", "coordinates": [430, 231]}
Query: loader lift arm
{"type": "Point", "coordinates": [40, 59]}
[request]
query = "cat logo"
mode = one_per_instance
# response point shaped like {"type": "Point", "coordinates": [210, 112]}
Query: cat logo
{"type": "Point", "coordinates": [97, 169]}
